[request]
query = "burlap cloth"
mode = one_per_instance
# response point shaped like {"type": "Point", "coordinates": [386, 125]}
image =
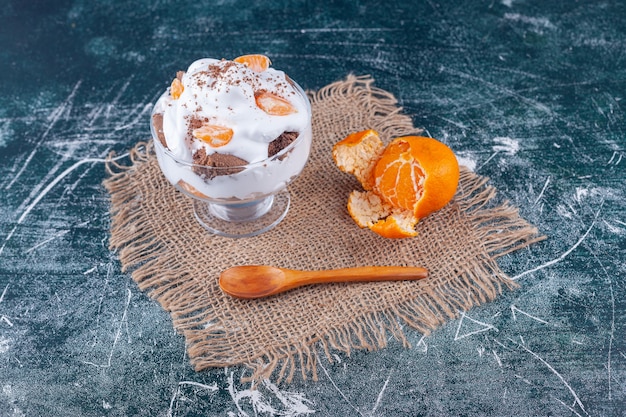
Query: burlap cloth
{"type": "Point", "coordinates": [178, 263]}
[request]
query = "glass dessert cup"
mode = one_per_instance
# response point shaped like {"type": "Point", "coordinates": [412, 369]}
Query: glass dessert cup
{"type": "Point", "coordinates": [243, 200]}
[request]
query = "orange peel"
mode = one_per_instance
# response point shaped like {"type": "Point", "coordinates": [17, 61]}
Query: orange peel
{"type": "Point", "coordinates": [357, 154]}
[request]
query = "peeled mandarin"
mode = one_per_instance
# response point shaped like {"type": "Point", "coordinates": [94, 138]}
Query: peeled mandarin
{"type": "Point", "coordinates": [405, 181]}
{"type": "Point", "coordinates": [398, 177]}
{"type": "Point", "coordinates": [417, 173]}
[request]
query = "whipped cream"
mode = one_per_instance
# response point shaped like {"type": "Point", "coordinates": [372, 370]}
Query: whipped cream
{"type": "Point", "coordinates": [224, 93]}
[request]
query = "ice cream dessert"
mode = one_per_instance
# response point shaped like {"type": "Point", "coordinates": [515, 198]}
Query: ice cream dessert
{"type": "Point", "coordinates": [232, 130]}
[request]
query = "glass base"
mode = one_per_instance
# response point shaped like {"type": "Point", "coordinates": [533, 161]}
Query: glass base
{"type": "Point", "coordinates": [242, 220]}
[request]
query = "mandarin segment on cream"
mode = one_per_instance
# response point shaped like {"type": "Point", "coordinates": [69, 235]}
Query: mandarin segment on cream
{"type": "Point", "coordinates": [242, 109]}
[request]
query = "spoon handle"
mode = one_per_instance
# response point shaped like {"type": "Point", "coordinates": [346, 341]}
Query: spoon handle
{"type": "Point", "coordinates": [358, 274]}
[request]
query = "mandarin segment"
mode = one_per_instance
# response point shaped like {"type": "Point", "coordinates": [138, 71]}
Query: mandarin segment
{"type": "Point", "coordinates": [357, 154]}
{"type": "Point", "coordinates": [214, 135]}
{"type": "Point", "coordinates": [273, 105]}
{"type": "Point", "coordinates": [255, 62]}
{"type": "Point", "coordinates": [176, 88]}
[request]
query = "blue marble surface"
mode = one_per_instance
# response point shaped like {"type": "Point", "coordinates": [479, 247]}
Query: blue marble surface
{"type": "Point", "coordinates": [528, 92]}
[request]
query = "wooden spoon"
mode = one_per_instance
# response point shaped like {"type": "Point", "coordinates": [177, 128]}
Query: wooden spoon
{"type": "Point", "coordinates": [254, 281]}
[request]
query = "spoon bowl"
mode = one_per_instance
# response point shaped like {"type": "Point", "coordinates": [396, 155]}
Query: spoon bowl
{"type": "Point", "coordinates": [255, 281]}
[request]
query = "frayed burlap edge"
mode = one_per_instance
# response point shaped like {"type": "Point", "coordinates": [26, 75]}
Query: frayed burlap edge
{"type": "Point", "coordinates": [500, 228]}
